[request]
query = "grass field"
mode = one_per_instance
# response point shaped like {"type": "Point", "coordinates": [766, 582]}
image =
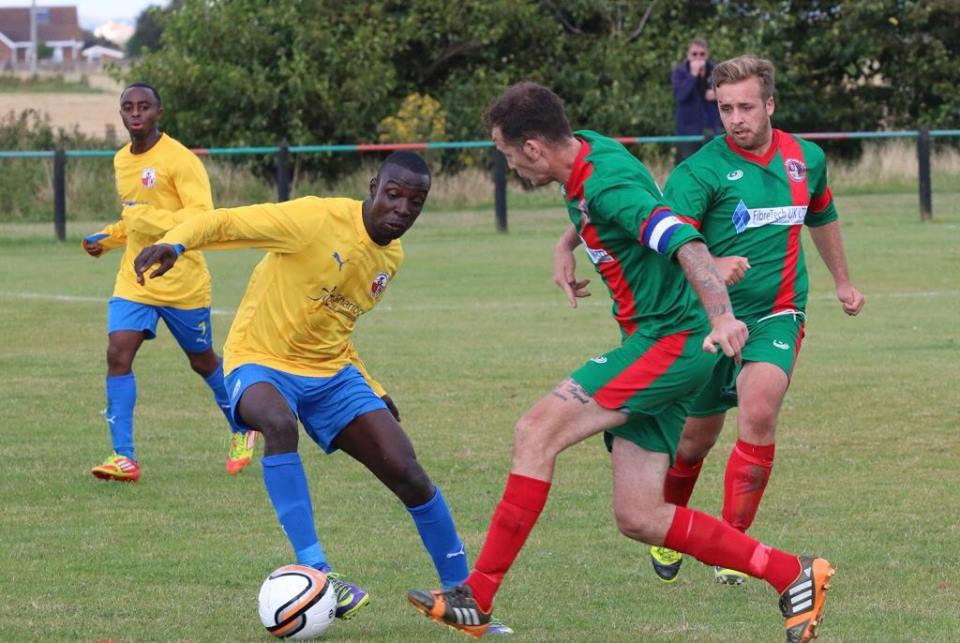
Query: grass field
{"type": "Point", "coordinates": [470, 334]}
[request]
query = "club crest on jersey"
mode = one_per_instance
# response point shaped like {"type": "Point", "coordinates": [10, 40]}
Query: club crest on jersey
{"type": "Point", "coordinates": [379, 285]}
{"type": "Point", "coordinates": [148, 177]}
{"type": "Point", "coordinates": [796, 170]}
{"type": "Point", "coordinates": [734, 175]}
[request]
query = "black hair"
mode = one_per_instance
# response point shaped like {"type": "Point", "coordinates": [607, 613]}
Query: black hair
{"type": "Point", "coordinates": [408, 161]}
{"type": "Point", "coordinates": [144, 86]}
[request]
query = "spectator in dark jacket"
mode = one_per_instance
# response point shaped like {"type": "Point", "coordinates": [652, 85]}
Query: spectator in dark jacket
{"type": "Point", "coordinates": [694, 101]}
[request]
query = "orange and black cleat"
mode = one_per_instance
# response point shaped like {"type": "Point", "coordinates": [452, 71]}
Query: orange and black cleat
{"type": "Point", "coordinates": [454, 608]}
{"type": "Point", "coordinates": [802, 602]}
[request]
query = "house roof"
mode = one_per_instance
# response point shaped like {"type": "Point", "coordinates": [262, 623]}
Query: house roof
{"type": "Point", "coordinates": [100, 50]}
{"type": "Point", "coordinates": [61, 23]}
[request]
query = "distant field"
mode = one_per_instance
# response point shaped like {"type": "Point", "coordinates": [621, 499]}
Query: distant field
{"type": "Point", "coordinates": [470, 334]}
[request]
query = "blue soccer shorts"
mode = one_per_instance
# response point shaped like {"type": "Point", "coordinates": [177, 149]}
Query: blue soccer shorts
{"type": "Point", "coordinates": [190, 326]}
{"type": "Point", "coordinates": [325, 405]}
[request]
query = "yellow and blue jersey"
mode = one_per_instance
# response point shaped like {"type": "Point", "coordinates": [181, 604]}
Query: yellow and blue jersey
{"type": "Point", "coordinates": [159, 189]}
{"type": "Point", "coordinates": [322, 272]}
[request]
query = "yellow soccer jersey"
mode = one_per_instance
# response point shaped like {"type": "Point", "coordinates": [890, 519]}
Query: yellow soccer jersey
{"type": "Point", "coordinates": [322, 271]}
{"type": "Point", "coordinates": [159, 189]}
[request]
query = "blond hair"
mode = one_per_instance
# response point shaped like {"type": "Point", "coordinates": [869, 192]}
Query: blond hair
{"type": "Point", "coordinates": [742, 68]}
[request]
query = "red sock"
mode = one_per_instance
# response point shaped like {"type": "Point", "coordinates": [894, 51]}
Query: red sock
{"type": "Point", "coordinates": [714, 542]}
{"type": "Point", "coordinates": [681, 478]}
{"type": "Point", "coordinates": [522, 502]}
{"type": "Point", "coordinates": [748, 470]}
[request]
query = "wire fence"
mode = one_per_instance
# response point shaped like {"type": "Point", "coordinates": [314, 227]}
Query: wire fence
{"type": "Point", "coordinates": [499, 167]}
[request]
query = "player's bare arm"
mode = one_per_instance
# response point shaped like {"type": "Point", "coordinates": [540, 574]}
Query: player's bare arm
{"type": "Point", "coordinates": [732, 269]}
{"type": "Point", "coordinates": [829, 244]}
{"type": "Point", "coordinates": [565, 265]}
{"type": "Point", "coordinates": [162, 253]}
{"type": "Point", "coordinates": [727, 331]}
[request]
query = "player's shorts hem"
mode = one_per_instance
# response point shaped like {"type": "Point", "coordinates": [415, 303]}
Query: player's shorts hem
{"type": "Point", "coordinates": [710, 412]}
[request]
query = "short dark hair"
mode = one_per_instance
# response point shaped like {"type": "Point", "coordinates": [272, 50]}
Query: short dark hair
{"type": "Point", "coordinates": [408, 161]}
{"type": "Point", "coordinates": [527, 110]}
{"type": "Point", "coordinates": [156, 94]}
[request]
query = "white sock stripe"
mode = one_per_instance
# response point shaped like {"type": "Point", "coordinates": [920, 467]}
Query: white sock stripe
{"type": "Point", "coordinates": [801, 587]}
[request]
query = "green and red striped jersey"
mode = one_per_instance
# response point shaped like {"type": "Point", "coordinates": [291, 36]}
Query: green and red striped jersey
{"type": "Point", "coordinates": [631, 236]}
{"type": "Point", "coordinates": [754, 207]}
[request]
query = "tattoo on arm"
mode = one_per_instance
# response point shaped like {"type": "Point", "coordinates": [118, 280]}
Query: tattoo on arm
{"type": "Point", "coordinates": [702, 273]}
{"type": "Point", "coordinates": [569, 389]}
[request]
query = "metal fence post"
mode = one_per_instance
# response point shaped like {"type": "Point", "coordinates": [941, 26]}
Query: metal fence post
{"type": "Point", "coordinates": [499, 188]}
{"type": "Point", "coordinates": [923, 168]}
{"type": "Point", "coordinates": [60, 195]}
{"type": "Point", "coordinates": [283, 172]}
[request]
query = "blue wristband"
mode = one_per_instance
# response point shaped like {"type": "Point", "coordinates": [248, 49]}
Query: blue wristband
{"type": "Point", "coordinates": [178, 247]}
{"type": "Point", "coordinates": [94, 238]}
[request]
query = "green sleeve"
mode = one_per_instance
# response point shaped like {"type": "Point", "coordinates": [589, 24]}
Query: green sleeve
{"type": "Point", "coordinates": [644, 217]}
{"type": "Point", "coordinates": [821, 210]}
{"type": "Point", "coordinates": [687, 194]}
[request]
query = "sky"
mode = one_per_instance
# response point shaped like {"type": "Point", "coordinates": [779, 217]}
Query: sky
{"type": "Point", "coordinates": [95, 12]}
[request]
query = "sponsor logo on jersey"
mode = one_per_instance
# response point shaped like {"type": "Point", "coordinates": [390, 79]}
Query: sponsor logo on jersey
{"type": "Point", "coordinates": [379, 285]}
{"type": "Point", "coordinates": [338, 303]}
{"type": "Point", "coordinates": [340, 262]}
{"type": "Point", "coordinates": [781, 345]}
{"type": "Point", "coordinates": [734, 175]}
{"type": "Point", "coordinates": [596, 256]}
{"type": "Point", "coordinates": [148, 177]}
{"type": "Point", "coordinates": [796, 170]}
{"type": "Point", "coordinates": [599, 359]}
{"type": "Point", "coordinates": [744, 217]}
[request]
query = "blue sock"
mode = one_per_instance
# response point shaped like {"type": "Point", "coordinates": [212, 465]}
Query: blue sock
{"type": "Point", "coordinates": [286, 483]}
{"type": "Point", "coordinates": [121, 398]}
{"type": "Point", "coordinates": [440, 538]}
{"type": "Point", "coordinates": [215, 382]}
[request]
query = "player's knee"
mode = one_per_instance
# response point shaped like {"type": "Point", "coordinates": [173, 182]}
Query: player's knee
{"type": "Point", "coordinates": [280, 433]}
{"type": "Point", "coordinates": [635, 524]}
{"type": "Point", "coordinates": [204, 364]}
{"type": "Point", "coordinates": [409, 482]}
{"type": "Point", "coordinates": [694, 448]}
{"type": "Point", "coordinates": [119, 359]}
{"type": "Point", "coordinates": [758, 422]}
{"type": "Point", "coordinates": [531, 434]}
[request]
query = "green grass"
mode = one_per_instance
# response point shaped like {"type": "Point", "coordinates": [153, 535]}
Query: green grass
{"type": "Point", "coordinates": [46, 84]}
{"type": "Point", "coordinates": [470, 334]}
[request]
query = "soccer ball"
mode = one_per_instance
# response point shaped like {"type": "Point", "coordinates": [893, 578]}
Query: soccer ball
{"type": "Point", "coordinates": [297, 602]}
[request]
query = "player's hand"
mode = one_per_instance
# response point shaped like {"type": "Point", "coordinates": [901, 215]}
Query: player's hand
{"type": "Point", "coordinates": [851, 299]}
{"type": "Point", "coordinates": [391, 407]}
{"type": "Point", "coordinates": [564, 275]}
{"type": "Point", "coordinates": [729, 333]}
{"type": "Point", "coordinates": [161, 253]}
{"type": "Point", "coordinates": [92, 246]}
{"type": "Point", "coordinates": [731, 268]}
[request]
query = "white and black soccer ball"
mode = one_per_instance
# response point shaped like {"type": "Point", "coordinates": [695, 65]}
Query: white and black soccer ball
{"type": "Point", "coordinates": [297, 602]}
